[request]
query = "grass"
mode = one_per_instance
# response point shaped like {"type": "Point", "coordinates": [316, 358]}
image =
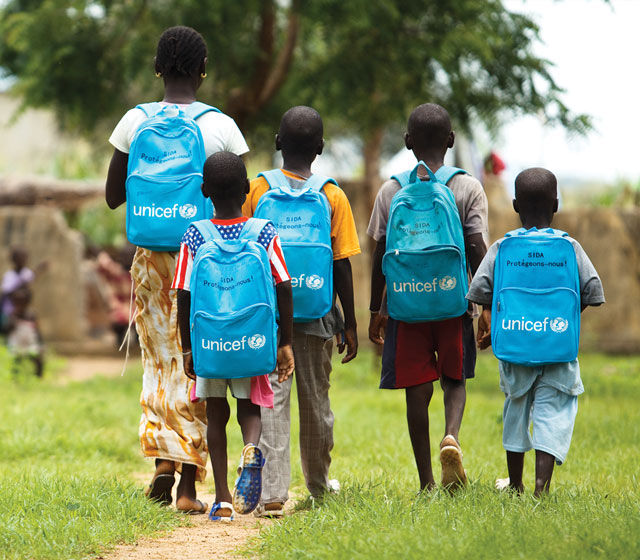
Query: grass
{"type": "Point", "coordinates": [67, 453]}
{"type": "Point", "coordinates": [593, 509]}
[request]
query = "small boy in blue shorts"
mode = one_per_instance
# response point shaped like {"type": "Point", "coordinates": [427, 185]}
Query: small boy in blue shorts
{"type": "Point", "coordinates": [415, 355]}
{"type": "Point", "coordinates": [225, 183]}
{"type": "Point", "coordinates": [543, 395]}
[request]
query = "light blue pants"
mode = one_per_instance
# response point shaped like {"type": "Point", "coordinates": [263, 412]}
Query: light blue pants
{"type": "Point", "coordinates": [553, 415]}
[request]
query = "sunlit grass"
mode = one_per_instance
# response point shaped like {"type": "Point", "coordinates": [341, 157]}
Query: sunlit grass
{"type": "Point", "coordinates": [593, 509]}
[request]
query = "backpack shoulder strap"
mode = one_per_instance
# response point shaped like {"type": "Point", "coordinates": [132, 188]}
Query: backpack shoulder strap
{"type": "Point", "coordinates": [253, 228]}
{"type": "Point", "coordinates": [150, 109]}
{"type": "Point", "coordinates": [446, 172]}
{"type": "Point", "coordinates": [207, 230]}
{"type": "Point", "coordinates": [317, 182]}
{"type": "Point", "coordinates": [402, 178]}
{"type": "Point", "coordinates": [197, 109]}
{"type": "Point", "coordinates": [275, 178]}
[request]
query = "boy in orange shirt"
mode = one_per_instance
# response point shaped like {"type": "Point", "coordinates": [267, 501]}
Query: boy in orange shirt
{"type": "Point", "coordinates": [300, 140]}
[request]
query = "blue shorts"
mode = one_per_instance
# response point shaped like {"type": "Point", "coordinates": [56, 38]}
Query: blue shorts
{"type": "Point", "coordinates": [553, 415]}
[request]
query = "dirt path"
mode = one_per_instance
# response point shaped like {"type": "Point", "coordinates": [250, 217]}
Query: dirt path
{"type": "Point", "coordinates": [81, 368]}
{"type": "Point", "coordinates": [205, 539]}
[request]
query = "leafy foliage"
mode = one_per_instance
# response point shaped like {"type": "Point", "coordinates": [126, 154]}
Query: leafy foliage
{"type": "Point", "coordinates": [363, 63]}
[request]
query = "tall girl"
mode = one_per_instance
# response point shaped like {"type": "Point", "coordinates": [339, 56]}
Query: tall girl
{"type": "Point", "coordinates": [172, 428]}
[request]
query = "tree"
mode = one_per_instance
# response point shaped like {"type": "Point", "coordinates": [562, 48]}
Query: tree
{"type": "Point", "coordinates": [364, 63]}
{"type": "Point", "coordinates": [368, 64]}
{"type": "Point", "coordinates": [90, 60]}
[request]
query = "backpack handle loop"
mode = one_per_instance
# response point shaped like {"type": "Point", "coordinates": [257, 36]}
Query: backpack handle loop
{"type": "Point", "coordinates": [413, 176]}
{"type": "Point", "coordinates": [523, 231]}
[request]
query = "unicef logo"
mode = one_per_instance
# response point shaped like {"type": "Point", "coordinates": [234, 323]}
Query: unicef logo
{"type": "Point", "coordinates": [188, 211]}
{"type": "Point", "coordinates": [447, 283]}
{"type": "Point", "coordinates": [314, 282]}
{"type": "Point", "coordinates": [559, 325]}
{"type": "Point", "coordinates": [257, 341]}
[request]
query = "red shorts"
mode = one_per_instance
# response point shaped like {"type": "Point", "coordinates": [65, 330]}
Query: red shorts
{"type": "Point", "coordinates": [416, 353]}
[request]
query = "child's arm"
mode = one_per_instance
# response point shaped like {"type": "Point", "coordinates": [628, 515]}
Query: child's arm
{"type": "Point", "coordinates": [343, 282]}
{"type": "Point", "coordinates": [285, 349]}
{"type": "Point", "coordinates": [484, 328]}
{"type": "Point", "coordinates": [377, 322]}
{"type": "Point", "coordinates": [184, 312]}
{"type": "Point", "coordinates": [115, 193]}
{"type": "Point", "coordinates": [476, 249]}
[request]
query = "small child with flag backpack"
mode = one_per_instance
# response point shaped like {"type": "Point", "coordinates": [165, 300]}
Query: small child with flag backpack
{"type": "Point", "coordinates": [225, 277]}
{"type": "Point", "coordinates": [316, 225]}
{"type": "Point", "coordinates": [533, 284]}
{"type": "Point", "coordinates": [429, 224]}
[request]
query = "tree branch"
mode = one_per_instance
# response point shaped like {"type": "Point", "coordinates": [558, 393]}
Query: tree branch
{"type": "Point", "coordinates": [279, 73]}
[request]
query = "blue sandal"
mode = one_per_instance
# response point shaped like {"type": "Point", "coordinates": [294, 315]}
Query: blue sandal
{"type": "Point", "coordinates": [248, 488]}
{"type": "Point", "coordinates": [215, 508]}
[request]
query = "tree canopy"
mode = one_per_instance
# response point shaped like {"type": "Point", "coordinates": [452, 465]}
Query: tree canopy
{"type": "Point", "coordinates": [364, 63]}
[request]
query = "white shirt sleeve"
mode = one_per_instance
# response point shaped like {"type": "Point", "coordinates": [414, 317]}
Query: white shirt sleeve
{"type": "Point", "coordinates": [123, 133]}
{"type": "Point", "coordinates": [219, 133]}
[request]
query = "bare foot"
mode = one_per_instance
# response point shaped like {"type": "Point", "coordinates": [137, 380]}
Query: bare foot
{"type": "Point", "coordinates": [194, 507]}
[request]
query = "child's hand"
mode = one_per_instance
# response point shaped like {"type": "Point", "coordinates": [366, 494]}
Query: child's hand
{"type": "Point", "coordinates": [285, 363]}
{"type": "Point", "coordinates": [377, 326]}
{"type": "Point", "coordinates": [187, 363]}
{"type": "Point", "coordinates": [348, 339]}
{"type": "Point", "coordinates": [484, 329]}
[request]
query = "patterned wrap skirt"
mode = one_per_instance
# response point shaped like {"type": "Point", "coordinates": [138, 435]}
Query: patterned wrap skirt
{"type": "Point", "coordinates": [171, 426]}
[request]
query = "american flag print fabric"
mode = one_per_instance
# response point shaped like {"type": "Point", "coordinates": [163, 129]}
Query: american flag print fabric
{"type": "Point", "coordinates": [192, 240]}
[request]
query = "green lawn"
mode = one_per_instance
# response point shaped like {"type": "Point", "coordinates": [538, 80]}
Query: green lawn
{"type": "Point", "coordinates": [68, 453]}
{"type": "Point", "coordinates": [593, 509]}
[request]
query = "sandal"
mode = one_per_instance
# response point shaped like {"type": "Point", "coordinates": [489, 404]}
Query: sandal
{"type": "Point", "coordinates": [248, 487]}
{"type": "Point", "coordinates": [202, 508]}
{"type": "Point", "coordinates": [159, 490]}
{"type": "Point", "coordinates": [453, 473]}
{"type": "Point", "coordinates": [214, 514]}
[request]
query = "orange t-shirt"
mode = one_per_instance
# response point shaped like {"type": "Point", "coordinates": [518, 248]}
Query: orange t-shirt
{"type": "Point", "coordinates": [344, 237]}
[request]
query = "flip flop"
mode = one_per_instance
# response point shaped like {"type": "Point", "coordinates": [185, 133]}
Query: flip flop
{"type": "Point", "coordinates": [248, 487]}
{"type": "Point", "coordinates": [160, 489]}
{"type": "Point", "coordinates": [203, 507]}
{"type": "Point", "coordinates": [215, 508]}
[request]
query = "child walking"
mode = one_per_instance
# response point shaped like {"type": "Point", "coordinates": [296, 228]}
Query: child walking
{"type": "Point", "coordinates": [416, 354]}
{"type": "Point", "coordinates": [172, 428]}
{"type": "Point", "coordinates": [300, 138]}
{"type": "Point", "coordinates": [226, 184]}
{"type": "Point", "coordinates": [539, 371]}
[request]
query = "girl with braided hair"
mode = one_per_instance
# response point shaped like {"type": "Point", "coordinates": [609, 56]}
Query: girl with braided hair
{"type": "Point", "coordinates": [172, 427]}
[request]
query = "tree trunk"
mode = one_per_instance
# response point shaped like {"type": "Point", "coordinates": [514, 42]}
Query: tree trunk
{"type": "Point", "coordinates": [371, 153]}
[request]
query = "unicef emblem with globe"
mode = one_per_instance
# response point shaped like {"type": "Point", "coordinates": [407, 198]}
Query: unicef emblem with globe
{"type": "Point", "coordinates": [188, 211]}
{"type": "Point", "coordinates": [559, 325]}
{"type": "Point", "coordinates": [314, 282]}
{"type": "Point", "coordinates": [257, 341]}
{"type": "Point", "coordinates": [447, 283]}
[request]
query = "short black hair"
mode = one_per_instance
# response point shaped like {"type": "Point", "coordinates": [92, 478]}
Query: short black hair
{"type": "Point", "coordinates": [224, 176]}
{"type": "Point", "coordinates": [301, 131]}
{"type": "Point", "coordinates": [536, 190]}
{"type": "Point", "coordinates": [180, 52]}
{"type": "Point", "coordinates": [429, 126]}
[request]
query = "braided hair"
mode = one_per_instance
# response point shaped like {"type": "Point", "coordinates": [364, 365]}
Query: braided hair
{"type": "Point", "coordinates": [180, 52]}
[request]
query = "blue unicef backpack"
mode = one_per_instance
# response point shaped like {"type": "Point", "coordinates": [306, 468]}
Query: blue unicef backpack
{"type": "Point", "coordinates": [303, 220]}
{"type": "Point", "coordinates": [233, 322]}
{"type": "Point", "coordinates": [424, 263]}
{"type": "Point", "coordinates": [535, 313]}
{"type": "Point", "coordinates": [164, 176]}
